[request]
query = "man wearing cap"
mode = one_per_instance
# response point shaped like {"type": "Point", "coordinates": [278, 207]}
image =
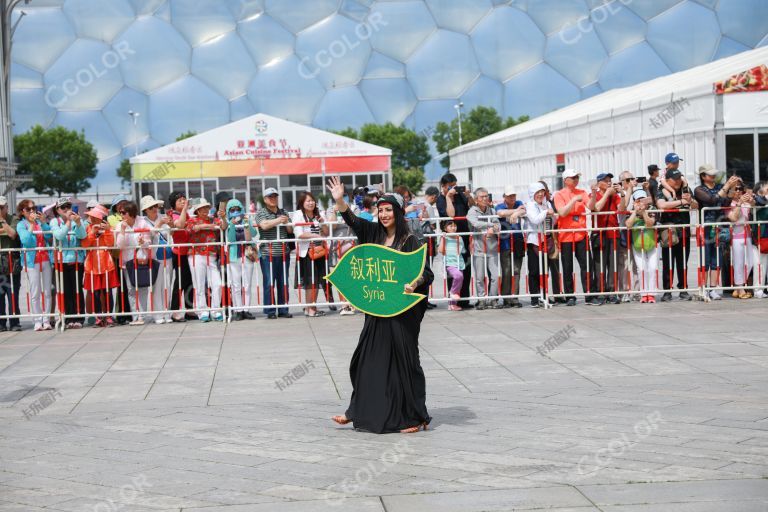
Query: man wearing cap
{"type": "Point", "coordinates": [10, 269]}
{"type": "Point", "coordinates": [571, 203]}
{"type": "Point", "coordinates": [274, 257]}
{"type": "Point", "coordinates": [512, 245]}
{"type": "Point", "coordinates": [606, 199]}
{"type": "Point", "coordinates": [713, 195]}
{"type": "Point", "coordinates": [675, 197]}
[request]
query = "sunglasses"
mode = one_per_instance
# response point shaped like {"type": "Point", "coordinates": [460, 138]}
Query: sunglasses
{"type": "Point", "coordinates": [65, 207]}
{"type": "Point", "coordinates": [29, 209]}
{"type": "Point", "coordinates": [627, 180]}
{"type": "Point", "coordinates": [235, 209]}
{"type": "Point", "coordinates": [121, 212]}
{"type": "Point", "coordinates": [739, 189]}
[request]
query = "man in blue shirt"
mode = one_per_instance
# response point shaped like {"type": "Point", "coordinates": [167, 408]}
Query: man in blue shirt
{"type": "Point", "coordinates": [512, 245]}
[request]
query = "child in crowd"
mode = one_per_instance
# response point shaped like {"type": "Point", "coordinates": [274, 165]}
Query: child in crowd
{"type": "Point", "coordinates": [452, 248]}
{"type": "Point", "coordinates": [644, 244]}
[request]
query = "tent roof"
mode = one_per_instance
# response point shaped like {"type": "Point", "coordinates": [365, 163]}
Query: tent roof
{"type": "Point", "coordinates": [603, 104]}
{"type": "Point", "coordinates": [261, 136]}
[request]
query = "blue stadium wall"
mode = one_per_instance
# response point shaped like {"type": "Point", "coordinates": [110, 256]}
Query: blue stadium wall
{"type": "Point", "coordinates": [197, 64]}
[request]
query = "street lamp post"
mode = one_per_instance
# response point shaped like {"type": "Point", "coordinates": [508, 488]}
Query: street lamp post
{"type": "Point", "coordinates": [135, 117]}
{"type": "Point", "coordinates": [458, 108]}
{"type": "Point", "coordinates": [8, 167]}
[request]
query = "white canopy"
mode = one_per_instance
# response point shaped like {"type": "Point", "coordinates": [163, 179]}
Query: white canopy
{"type": "Point", "coordinates": [261, 136]}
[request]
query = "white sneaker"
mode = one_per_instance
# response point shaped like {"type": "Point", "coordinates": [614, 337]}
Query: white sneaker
{"type": "Point", "coordinates": [138, 321]}
{"type": "Point", "coordinates": [347, 311]}
{"type": "Point", "coordinates": [47, 326]}
{"type": "Point", "coordinates": [38, 326]}
{"type": "Point", "coordinates": [160, 320]}
{"type": "Point", "coordinates": [759, 294]}
{"type": "Point", "coordinates": [715, 295]}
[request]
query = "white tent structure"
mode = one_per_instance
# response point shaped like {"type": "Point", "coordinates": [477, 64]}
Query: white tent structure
{"type": "Point", "coordinates": [630, 128]}
{"type": "Point", "coordinates": [246, 157]}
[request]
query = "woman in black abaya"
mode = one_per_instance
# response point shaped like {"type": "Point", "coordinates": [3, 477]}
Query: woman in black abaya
{"type": "Point", "coordinates": [388, 388]}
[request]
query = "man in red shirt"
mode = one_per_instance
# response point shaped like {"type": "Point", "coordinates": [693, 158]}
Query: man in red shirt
{"type": "Point", "coordinates": [571, 203]}
{"type": "Point", "coordinates": [605, 199]}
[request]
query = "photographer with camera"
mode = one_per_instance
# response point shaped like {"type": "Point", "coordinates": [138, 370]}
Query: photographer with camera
{"type": "Point", "coordinates": [10, 269]}
{"type": "Point", "coordinates": [455, 201]}
{"type": "Point", "coordinates": [675, 196]}
{"type": "Point", "coordinates": [712, 195]}
{"type": "Point", "coordinates": [571, 205]}
{"type": "Point", "coordinates": [606, 199]}
{"type": "Point", "coordinates": [69, 230]}
{"type": "Point", "coordinates": [35, 236]}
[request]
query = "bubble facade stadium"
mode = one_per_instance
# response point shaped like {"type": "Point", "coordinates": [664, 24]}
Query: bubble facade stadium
{"type": "Point", "coordinates": [198, 64]}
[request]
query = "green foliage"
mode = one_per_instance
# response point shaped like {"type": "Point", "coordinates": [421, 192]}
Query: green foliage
{"type": "Point", "coordinates": [186, 135]}
{"type": "Point", "coordinates": [60, 161]}
{"type": "Point", "coordinates": [412, 178]}
{"type": "Point", "coordinates": [409, 149]}
{"type": "Point", "coordinates": [124, 172]}
{"type": "Point", "coordinates": [478, 123]}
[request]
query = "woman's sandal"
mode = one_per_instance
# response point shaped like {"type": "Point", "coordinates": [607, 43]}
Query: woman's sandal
{"type": "Point", "coordinates": [414, 429]}
{"type": "Point", "coordinates": [341, 420]}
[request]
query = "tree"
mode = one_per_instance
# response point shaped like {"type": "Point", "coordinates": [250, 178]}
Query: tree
{"type": "Point", "coordinates": [411, 178]}
{"type": "Point", "coordinates": [478, 123]}
{"type": "Point", "coordinates": [124, 172]}
{"type": "Point", "coordinates": [410, 151]}
{"type": "Point", "coordinates": [186, 135]}
{"type": "Point", "coordinates": [60, 161]}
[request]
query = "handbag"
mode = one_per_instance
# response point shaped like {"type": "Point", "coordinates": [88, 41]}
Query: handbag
{"type": "Point", "coordinates": [142, 274]}
{"type": "Point", "coordinates": [669, 238]}
{"type": "Point", "coordinates": [164, 253]}
{"type": "Point", "coordinates": [251, 254]}
{"type": "Point", "coordinates": [317, 250]}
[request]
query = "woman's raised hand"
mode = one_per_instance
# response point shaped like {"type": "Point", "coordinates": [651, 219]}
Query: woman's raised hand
{"type": "Point", "coordinates": [336, 188]}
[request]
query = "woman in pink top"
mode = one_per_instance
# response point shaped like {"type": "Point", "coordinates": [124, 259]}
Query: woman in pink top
{"type": "Point", "coordinates": [740, 214]}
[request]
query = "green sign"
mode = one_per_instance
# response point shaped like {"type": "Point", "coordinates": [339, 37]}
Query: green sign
{"type": "Point", "coordinates": [372, 278]}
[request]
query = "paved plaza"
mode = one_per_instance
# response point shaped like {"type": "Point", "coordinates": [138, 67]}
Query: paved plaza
{"type": "Point", "coordinates": [629, 408]}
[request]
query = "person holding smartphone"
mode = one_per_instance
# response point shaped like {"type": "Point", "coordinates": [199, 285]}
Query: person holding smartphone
{"type": "Point", "coordinates": [453, 202]}
{"type": "Point", "coordinates": [571, 204]}
{"type": "Point", "coordinates": [10, 269]}
{"type": "Point", "coordinates": [68, 230]}
{"type": "Point", "coordinates": [36, 239]}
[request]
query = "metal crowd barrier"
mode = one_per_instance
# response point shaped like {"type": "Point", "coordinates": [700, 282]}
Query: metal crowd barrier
{"type": "Point", "coordinates": [617, 277]}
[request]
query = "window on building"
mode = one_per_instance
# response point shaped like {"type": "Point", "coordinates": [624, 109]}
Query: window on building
{"type": "Point", "coordinates": [297, 180]}
{"type": "Point", "coordinates": [194, 190]}
{"type": "Point", "coordinates": [163, 191]}
{"type": "Point", "coordinates": [762, 143]}
{"type": "Point", "coordinates": [740, 156]}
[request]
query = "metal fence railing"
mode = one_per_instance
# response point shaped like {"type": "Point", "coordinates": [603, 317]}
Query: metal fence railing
{"type": "Point", "coordinates": [238, 272]}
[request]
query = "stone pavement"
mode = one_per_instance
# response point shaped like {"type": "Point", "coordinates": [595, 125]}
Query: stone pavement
{"type": "Point", "coordinates": [642, 409]}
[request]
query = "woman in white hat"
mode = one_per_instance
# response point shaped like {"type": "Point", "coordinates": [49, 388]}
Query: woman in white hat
{"type": "Point", "coordinates": [644, 244]}
{"type": "Point", "coordinates": [161, 235]}
{"type": "Point", "coordinates": [537, 210]}
{"type": "Point", "coordinates": [204, 258]}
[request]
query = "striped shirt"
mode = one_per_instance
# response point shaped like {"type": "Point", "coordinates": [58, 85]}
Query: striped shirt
{"type": "Point", "coordinates": [277, 249]}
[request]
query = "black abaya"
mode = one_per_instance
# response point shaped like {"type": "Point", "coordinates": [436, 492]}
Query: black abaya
{"type": "Point", "coordinates": [388, 386]}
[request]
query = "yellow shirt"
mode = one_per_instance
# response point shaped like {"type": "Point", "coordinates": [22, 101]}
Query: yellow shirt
{"type": "Point", "coordinates": [114, 220]}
